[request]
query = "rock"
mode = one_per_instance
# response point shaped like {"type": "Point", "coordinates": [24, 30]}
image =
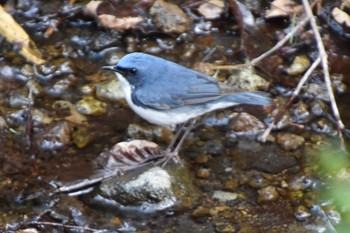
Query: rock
{"type": "Point", "coordinates": [91, 106]}
{"type": "Point", "coordinates": [146, 190]}
{"type": "Point", "coordinates": [245, 122]}
{"type": "Point", "coordinates": [300, 65]}
{"type": "Point", "coordinates": [169, 17]}
{"type": "Point", "coordinates": [203, 173]}
{"type": "Point", "coordinates": [55, 138]}
{"type": "Point", "coordinates": [224, 196]}
{"type": "Point", "coordinates": [266, 158]}
{"type": "Point", "coordinates": [246, 79]}
{"type": "Point", "coordinates": [268, 193]}
{"type": "Point", "coordinates": [289, 142]}
{"type": "Point", "coordinates": [225, 227]}
{"type": "Point", "coordinates": [109, 91]}
{"type": "Point", "coordinates": [302, 213]}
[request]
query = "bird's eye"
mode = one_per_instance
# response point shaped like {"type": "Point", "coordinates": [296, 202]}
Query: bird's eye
{"type": "Point", "coordinates": [133, 71]}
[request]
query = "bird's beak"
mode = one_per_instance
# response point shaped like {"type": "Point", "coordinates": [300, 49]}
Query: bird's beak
{"type": "Point", "coordinates": [112, 68]}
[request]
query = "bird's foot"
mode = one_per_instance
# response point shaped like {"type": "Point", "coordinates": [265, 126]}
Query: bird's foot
{"type": "Point", "coordinates": [171, 155]}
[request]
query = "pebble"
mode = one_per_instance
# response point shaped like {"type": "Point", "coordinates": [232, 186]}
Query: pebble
{"type": "Point", "coordinates": [290, 142]}
{"type": "Point", "coordinates": [268, 193]}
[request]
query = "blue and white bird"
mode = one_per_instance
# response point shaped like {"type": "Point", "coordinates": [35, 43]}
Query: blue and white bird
{"type": "Point", "coordinates": [165, 93]}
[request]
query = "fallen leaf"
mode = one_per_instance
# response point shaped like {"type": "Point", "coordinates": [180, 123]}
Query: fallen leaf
{"type": "Point", "coordinates": [341, 17]}
{"type": "Point", "coordinates": [282, 8]}
{"type": "Point", "coordinates": [119, 24]}
{"type": "Point", "coordinates": [130, 154]}
{"type": "Point", "coordinates": [110, 20]}
{"type": "Point", "coordinates": [211, 9]}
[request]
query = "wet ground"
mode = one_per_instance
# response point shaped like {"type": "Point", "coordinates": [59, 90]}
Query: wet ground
{"type": "Point", "coordinates": [60, 120]}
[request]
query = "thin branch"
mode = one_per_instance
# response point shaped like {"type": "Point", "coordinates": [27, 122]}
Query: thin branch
{"type": "Point", "coordinates": [66, 226]}
{"type": "Point", "coordinates": [270, 51]}
{"type": "Point", "coordinates": [324, 61]}
{"type": "Point", "coordinates": [281, 42]}
{"type": "Point", "coordinates": [294, 95]}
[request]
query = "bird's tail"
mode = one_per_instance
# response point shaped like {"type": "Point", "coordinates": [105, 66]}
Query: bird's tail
{"type": "Point", "coordinates": [254, 98]}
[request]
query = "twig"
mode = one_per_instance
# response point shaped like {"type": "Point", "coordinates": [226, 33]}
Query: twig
{"type": "Point", "coordinates": [281, 42]}
{"type": "Point", "coordinates": [324, 61]}
{"type": "Point", "coordinates": [270, 51]}
{"type": "Point", "coordinates": [66, 226]}
{"type": "Point", "coordinates": [294, 95]}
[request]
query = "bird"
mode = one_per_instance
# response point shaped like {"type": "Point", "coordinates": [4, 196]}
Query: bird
{"type": "Point", "coordinates": [165, 93]}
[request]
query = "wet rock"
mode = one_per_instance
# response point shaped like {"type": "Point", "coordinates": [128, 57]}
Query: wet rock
{"type": "Point", "coordinates": [17, 118]}
{"type": "Point", "coordinates": [203, 27]}
{"type": "Point", "coordinates": [302, 213]}
{"type": "Point", "coordinates": [55, 138]}
{"type": "Point", "coordinates": [109, 91]}
{"type": "Point", "coordinates": [266, 158]}
{"type": "Point", "coordinates": [231, 139]}
{"type": "Point", "coordinates": [224, 196]}
{"type": "Point", "coordinates": [225, 227]}
{"type": "Point", "coordinates": [338, 84]}
{"type": "Point", "coordinates": [49, 72]}
{"type": "Point", "coordinates": [268, 193]}
{"type": "Point", "coordinates": [300, 65]}
{"type": "Point", "coordinates": [62, 87]}
{"type": "Point", "coordinates": [256, 180]}
{"type": "Point", "coordinates": [317, 91]}
{"type": "Point", "coordinates": [214, 147]}
{"type": "Point", "coordinates": [150, 132]}
{"type": "Point", "coordinates": [245, 122]}
{"type": "Point", "coordinates": [34, 87]}
{"type": "Point", "coordinates": [201, 212]}
{"type": "Point", "coordinates": [169, 17]}
{"type": "Point", "coordinates": [301, 114]}
{"type": "Point", "coordinates": [41, 118]}
{"type": "Point", "coordinates": [323, 126]}
{"type": "Point", "coordinates": [231, 184]}
{"type": "Point", "coordinates": [66, 110]}
{"type": "Point", "coordinates": [319, 108]}
{"type": "Point", "coordinates": [290, 142]}
{"type": "Point", "coordinates": [8, 79]}
{"type": "Point", "coordinates": [19, 98]}
{"type": "Point", "coordinates": [201, 159]}
{"type": "Point", "coordinates": [203, 173]}
{"type": "Point", "coordinates": [302, 182]}
{"type": "Point", "coordinates": [91, 106]}
{"type": "Point", "coordinates": [82, 136]}
{"type": "Point", "coordinates": [211, 9]}
{"type": "Point", "coordinates": [246, 79]}
{"type": "Point", "coordinates": [147, 190]}
{"type": "Point", "coordinates": [152, 186]}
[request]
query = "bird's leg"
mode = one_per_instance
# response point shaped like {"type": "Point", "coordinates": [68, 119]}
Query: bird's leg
{"type": "Point", "coordinates": [173, 152]}
{"type": "Point", "coordinates": [175, 137]}
{"type": "Point", "coordinates": [189, 127]}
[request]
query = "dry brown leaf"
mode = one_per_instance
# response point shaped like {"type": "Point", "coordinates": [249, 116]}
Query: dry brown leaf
{"type": "Point", "coordinates": [130, 153]}
{"type": "Point", "coordinates": [211, 9]}
{"type": "Point", "coordinates": [119, 24]}
{"type": "Point", "coordinates": [91, 8]}
{"type": "Point", "coordinates": [341, 17]}
{"type": "Point", "coordinates": [15, 34]}
{"type": "Point", "coordinates": [282, 8]}
{"type": "Point", "coordinates": [110, 20]}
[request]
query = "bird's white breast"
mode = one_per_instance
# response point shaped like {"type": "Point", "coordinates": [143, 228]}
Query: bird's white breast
{"type": "Point", "coordinates": [166, 117]}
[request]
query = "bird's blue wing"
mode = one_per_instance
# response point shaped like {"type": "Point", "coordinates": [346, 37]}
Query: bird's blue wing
{"type": "Point", "coordinates": [186, 87]}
